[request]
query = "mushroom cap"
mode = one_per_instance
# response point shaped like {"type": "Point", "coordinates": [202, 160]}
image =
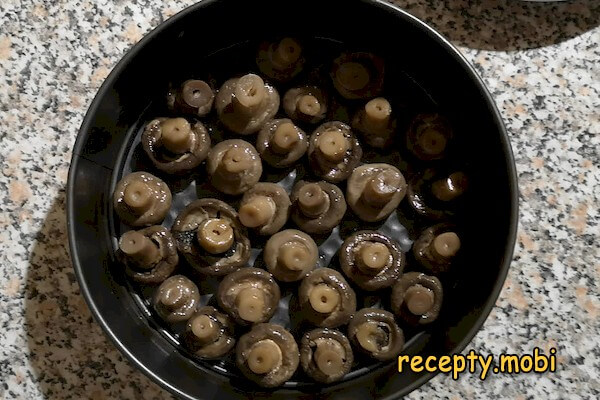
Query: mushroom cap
{"type": "Point", "coordinates": [222, 343]}
{"type": "Point", "coordinates": [175, 163]}
{"type": "Point", "coordinates": [238, 122]}
{"type": "Point", "coordinates": [386, 276]}
{"type": "Point", "coordinates": [360, 177]}
{"type": "Point", "coordinates": [419, 195]}
{"type": "Point", "coordinates": [245, 278]}
{"type": "Point", "coordinates": [398, 296]}
{"type": "Point", "coordinates": [286, 343]}
{"type": "Point", "coordinates": [423, 123]}
{"type": "Point", "coordinates": [264, 147]}
{"type": "Point", "coordinates": [308, 345]}
{"type": "Point", "coordinates": [230, 183]}
{"type": "Point", "coordinates": [190, 296]}
{"type": "Point", "coordinates": [264, 61]}
{"type": "Point", "coordinates": [375, 68]}
{"type": "Point", "coordinates": [169, 257]}
{"type": "Point", "coordinates": [332, 171]}
{"type": "Point", "coordinates": [327, 220]}
{"type": "Point", "coordinates": [157, 211]}
{"type": "Point", "coordinates": [293, 96]}
{"type": "Point", "coordinates": [277, 242]}
{"type": "Point", "coordinates": [343, 310]}
{"type": "Point", "coordinates": [185, 229]}
{"type": "Point", "coordinates": [423, 249]}
{"type": "Point", "coordinates": [282, 205]}
{"type": "Point", "coordinates": [393, 337]}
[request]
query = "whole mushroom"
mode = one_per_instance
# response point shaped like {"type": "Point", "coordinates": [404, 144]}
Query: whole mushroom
{"type": "Point", "coordinates": [280, 143]}
{"type": "Point", "coordinates": [374, 121]}
{"type": "Point", "coordinates": [282, 60]}
{"type": "Point", "coordinates": [194, 97]}
{"type": "Point", "coordinates": [375, 333]}
{"type": "Point", "coordinates": [265, 208]}
{"type": "Point", "coordinates": [358, 75]}
{"type": "Point", "coordinates": [141, 199]}
{"type": "Point", "coordinates": [437, 248]}
{"type": "Point", "coordinates": [234, 166]}
{"type": "Point", "coordinates": [176, 299]}
{"type": "Point", "coordinates": [436, 194]}
{"type": "Point", "coordinates": [305, 104]}
{"type": "Point", "coordinates": [428, 136]}
{"type": "Point", "coordinates": [317, 207]}
{"type": "Point", "coordinates": [417, 298]}
{"type": "Point", "coordinates": [290, 254]}
{"type": "Point", "coordinates": [209, 334]}
{"type": "Point", "coordinates": [325, 355]}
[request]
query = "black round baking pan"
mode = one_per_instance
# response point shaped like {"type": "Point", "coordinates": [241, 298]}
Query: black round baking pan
{"type": "Point", "coordinates": [427, 73]}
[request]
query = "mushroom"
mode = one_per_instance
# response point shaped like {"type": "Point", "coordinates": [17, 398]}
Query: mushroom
{"type": "Point", "coordinates": [141, 199]}
{"type": "Point", "coordinates": [428, 136]}
{"type": "Point", "coordinates": [374, 121]}
{"type": "Point", "coordinates": [437, 248]}
{"type": "Point", "coordinates": [317, 207]}
{"type": "Point", "coordinates": [210, 236]}
{"type": "Point", "coordinates": [281, 143]}
{"type": "Point", "coordinates": [374, 332]}
{"type": "Point", "coordinates": [417, 298]}
{"type": "Point", "coordinates": [290, 254]}
{"type": "Point", "coordinates": [267, 355]}
{"type": "Point", "coordinates": [306, 104]}
{"type": "Point", "coordinates": [334, 151]}
{"type": "Point", "coordinates": [326, 298]}
{"type": "Point", "coordinates": [174, 145]}
{"type": "Point", "coordinates": [249, 295]}
{"type": "Point", "coordinates": [375, 190]}
{"type": "Point", "coordinates": [209, 334]}
{"type": "Point", "coordinates": [325, 355]}
{"type": "Point", "coordinates": [176, 299]}
{"type": "Point", "coordinates": [149, 255]}
{"type": "Point", "coordinates": [372, 260]}
{"type": "Point", "coordinates": [358, 75]}
{"type": "Point", "coordinates": [436, 194]}
{"type": "Point", "coordinates": [245, 104]}
{"type": "Point", "coordinates": [280, 61]}
{"type": "Point", "coordinates": [265, 208]}
{"type": "Point", "coordinates": [234, 166]}
{"type": "Point", "coordinates": [194, 97]}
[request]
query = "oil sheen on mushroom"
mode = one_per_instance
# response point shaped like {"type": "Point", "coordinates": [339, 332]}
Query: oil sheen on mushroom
{"type": "Point", "coordinates": [437, 248]}
{"type": "Point", "coordinates": [358, 75]}
{"type": "Point", "coordinates": [305, 104]}
{"type": "Point", "coordinates": [325, 355]}
{"type": "Point", "coordinates": [234, 166]}
{"type": "Point", "coordinates": [317, 207]}
{"type": "Point", "coordinates": [194, 97]}
{"type": "Point", "coordinates": [290, 254]}
{"type": "Point", "coordinates": [265, 208]}
{"type": "Point", "coordinates": [176, 299]}
{"type": "Point", "coordinates": [209, 334]}
{"type": "Point", "coordinates": [437, 194]}
{"type": "Point", "coordinates": [375, 123]}
{"type": "Point", "coordinates": [282, 60]}
{"type": "Point", "coordinates": [428, 136]}
{"type": "Point", "coordinates": [141, 199]}
{"type": "Point", "coordinates": [375, 333]}
{"type": "Point", "coordinates": [417, 298]}
{"type": "Point", "coordinates": [280, 143]}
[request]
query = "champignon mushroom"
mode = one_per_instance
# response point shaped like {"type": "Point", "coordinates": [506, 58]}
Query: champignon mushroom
{"type": "Point", "coordinates": [210, 236]}
{"type": "Point", "coordinates": [234, 166]}
{"type": "Point", "coordinates": [174, 145]}
{"type": "Point", "coordinates": [326, 299]}
{"type": "Point", "coordinates": [358, 75]}
{"type": "Point", "coordinates": [306, 104]}
{"type": "Point", "coordinates": [334, 151]}
{"type": "Point", "coordinates": [325, 355]}
{"type": "Point", "coordinates": [176, 299]}
{"type": "Point", "coordinates": [265, 208]}
{"type": "Point", "coordinates": [317, 207]}
{"type": "Point", "coordinates": [149, 255]}
{"type": "Point", "coordinates": [141, 199]}
{"type": "Point", "coordinates": [374, 191]}
{"type": "Point", "coordinates": [245, 104]}
{"type": "Point", "coordinates": [267, 355]}
{"type": "Point", "coordinates": [417, 298]}
{"type": "Point", "coordinates": [436, 194]}
{"type": "Point", "coordinates": [289, 255]}
{"type": "Point", "coordinates": [428, 136]}
{"type": "Point", "coordinates": [372, 260]}
{"type": "Point", "coordinates": [374, 332]}
{"type": "Point", "coordinates": [280, 61]}
{"type": "Point", "coordinates": [437, 248]}
{"type": "Point", "coordinates": [374, 121]}
{"type": "Point", "coordinates": [194, 97]}
{"type": "Point", "coordinates": [281, 143]}
{"type": "Point", "coordinates": [249, 295]}
{"type": "Point", "coordinates": [209, 334]}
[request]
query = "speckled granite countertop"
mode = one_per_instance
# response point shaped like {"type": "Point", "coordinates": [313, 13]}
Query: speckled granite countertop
{"type": "Point", "coordinates": [540, 61]}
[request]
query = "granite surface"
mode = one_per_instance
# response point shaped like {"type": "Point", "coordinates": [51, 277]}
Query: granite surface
{"type": "Point", "coordinates": [540, 61]}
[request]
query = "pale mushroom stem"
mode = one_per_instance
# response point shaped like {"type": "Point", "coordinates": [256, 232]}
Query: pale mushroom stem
{"type": "Point", "coordinates": [432, 141]}
{"type": "Point", "coordinates": [215, 235]}
{"type": "Point", "coordinates": [173, 297]}
{"type": "Point", "coordinates": [176, 135]}
{"type": "Point", "coordinates": [367, 335]}
{"type": "Point", "coordinates": [236, 160]}
{"type": "Point", "coordinates": [380, 189]}
{"type": "Point", "coordinates": [419, 299]}
{"type": "Point", "coordinates": [286, 53]}
{"type": "Point", "coordinates": [294, 256]}
{"type": "Point", "coordinates": [373, 257]}
{"type": "Point", "coordinates": [249, 94]}
{"type": "Point", "coordinates": [328, 359]}
{"type": "Point", "coordinates": [250, 304]}
{"type": "Point", "coordinates": [446, 244]}
{"type": "Point", "coordinates": [377, 113]}
{"type": "Point", "coordinates": [264, 356]}
{"type": "Point", "coordinates": [140, 249]}
{"type": "Point", "coordinates": [197, 93]}
{"type": "Point", "coordinates": [333, 145]}
{"type": "Point", "coordinates": [450, 188]}
{"type": "Point", "coordinates": [138, 196]}
{"type": "Point", "coordinates": [258, 211]}
{"type": "Point", "coordinates": [205, 329]}
{"type": "Point", "coordinates": [312, 200]}
{"type": "Point", "coordinates": [309, 105]}
{"type": "Point", "coordinates": [323, 298]}
{"type": "Point", "coordinates": [284, 138]}
{"type": "Point", "coordinates": [352, 76]}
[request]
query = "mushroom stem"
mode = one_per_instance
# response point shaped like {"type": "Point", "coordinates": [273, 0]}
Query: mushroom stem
{"type": "Point", "coordinates": [352, 76]}
{"type": "Point", "coordinates": [380, 189]}
{"type": "Point", "coordinates": [236, 160]}
{"type": "Point", "coordinates": [197, 93]}
{"type": "Point", "coordinates": [323, 298]}
{"type": "Point", "coordinates": [286, 53]}
{"type": "Point", "coordinates": [264, 356]}
{"type": "Point", "coordinates": [309, 105]}
{"type": "Point", "coordinates": [138, 196]}
{"type": "Point", "coordinates": [419, 299]}
{"type": "Point", "coordinates": [313, 200]}
{"type": "Point", "coordinates": [368, 335]}
{"type": "Point", "coordinates": [377, 113]}
{"type": "Point", "coordinates": [250, 304]}
{"type": "Point", "coordinates": [333, 145]}
{"type": "Point", "coordinates": [294, 256]}
{"type": "Point", "coordinates": [284, 138]}
{"type": "Point", "coordinates": [173, 297]}
{"type": "Point", "coordinates": [249, 94]}
{"type": "Point", "coordinates": [140, 249]}
{"type": "Point", "coordinates": [257, 212]}
{"type": "Point", "coordinates": [450, 188]}
{"type": "Point", "coordinates": [215, 235]}
{"type": "Point", "coordinates": [176, 135]}
{"type": "Point", "coordinates": [432, 141]}
{"type": "Point", "coordinates": [446, 244]}
{"type": "Point", "coordinates": [328, 358]}
{"type": "Point", "coordinates": [205, 329]}
{"type": "Point", "coordinates": [373, 257]}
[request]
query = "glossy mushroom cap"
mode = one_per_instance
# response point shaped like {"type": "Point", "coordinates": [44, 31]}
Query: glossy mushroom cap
{"type": "Point", "coordinates": [305, 104]}
{"type": "Point", "coordinates": [325, 355]}
{"type": "Point", "coordinates": [234, 166]}
{"type": "Point", "coordinates": [437, 193]}
{"type": "Point", "coordinates": [209, 334]}
{"type": "Point", "coordinates": [437, 248]}
{"type": "Point", "coordinates": [265, 208]}
{"type": "Point", "coordinates": [290, 254]}
{"type": "Point", "coordinates": [282, 60]}
{"type": "Point", "coordinates": [141, 199]}
{"type": "Point", "coordinates": [374, 121]}
{"type": "Point", "coordinates": [374, 332]}
{"type": "Point", "coordinates": [176, 299]}
{"type": "Point", "coordinates": [428, 136]}
{"type": "Point", "coordinates": [317, 207]}
{"type": "Point", "coordinates": [417, 298]}
{"type": "Point", "coordinates": [358, 75]}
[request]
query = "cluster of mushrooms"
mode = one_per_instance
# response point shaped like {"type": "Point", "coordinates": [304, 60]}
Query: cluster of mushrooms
{"type": "Point", "coordinates": [214, 238]}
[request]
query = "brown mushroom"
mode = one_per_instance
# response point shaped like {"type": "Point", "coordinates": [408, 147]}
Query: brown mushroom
{"type": "Point", "coordinates": [174, 145]}
{"type": "Point", "coordinates": [325, 355]}
{"type": "Point", "coordinates": [290, 254]}
{"type": "Point", "coordinates": [194, 97]}
{"type": "Point", "coordinates": [210, 236]}
{"type": "Point", "coordinates": [417, 298]}
{"type": "Point", "coordinates": [372, 260]}
{"type": "Point", "coordinates": [141, 199]}
{"type": "Point", "coordinates": [234, 166]}
{"type": "Point", "coordinates": [265, 208]}
{"type": "Point", "coordinates": [437, 194]}
{"type": "Point", "coordinates": [306, 104]}
{"type": "Point", "coordinates": [374, 121]}
{"type": "Point", "coordinates": [358, 75]}
{"type": "Point", "coordinates": [209, 334]}
{"type": "Point", "coordinates": [280, 61]}
{"type": "Point", "coordinates": [249, 295]}
{"type": "Point", "coordinates": [326, 299]}
{"type": "Point", "coordinates": [374, 191]}
{"type": "Point", "coordinates": [428, 136]}
{"type": "Point", "coordinates": [437, 248]}
{"type": "Point", "coordinates": [334, 151]}
{"type": "Point", "coordinates": [281, 143]}
{"type": "Point", "coordinates": [374, 332]}
{"type": "Point", "coordinates": [149, 255]}
{"type": "Point", "coordinates": [245, 104]}
{"type": "Point", "coordinates": [176, 299]}
{"type": "Point", "coordinates": [267, 355]}
{"type": "Point", "coordinates": [317, 207]}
